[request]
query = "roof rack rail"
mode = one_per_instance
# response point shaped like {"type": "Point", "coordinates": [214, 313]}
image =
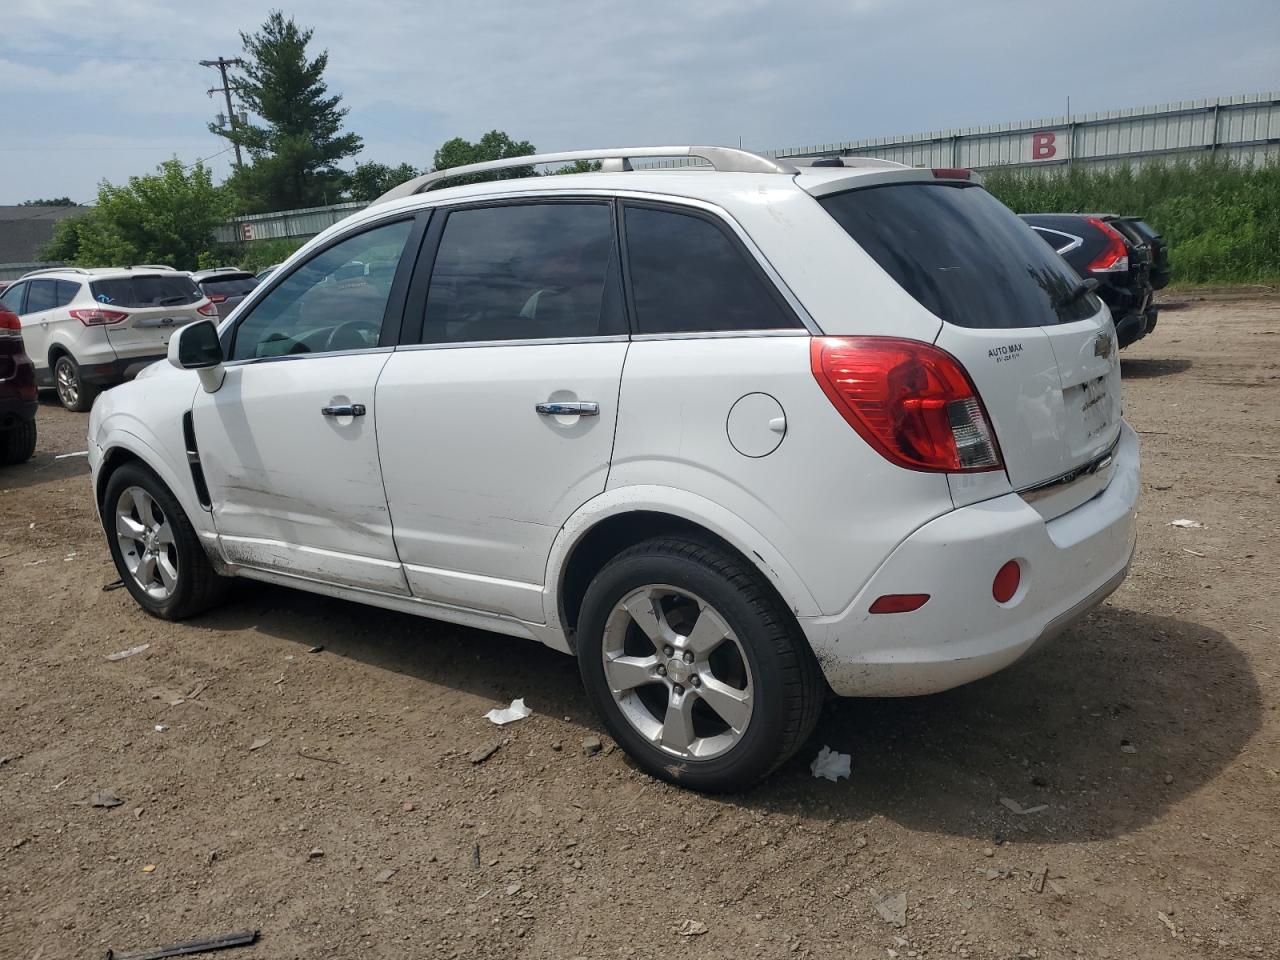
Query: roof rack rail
{"type": "Point", "coordinates": [833, 160]}
{"type": "Point", "coordinates": [722, 159]}
{"type": "Point", "coordinates": [151, 266]}
{"type": "Point", "coordinates": [36, 273]}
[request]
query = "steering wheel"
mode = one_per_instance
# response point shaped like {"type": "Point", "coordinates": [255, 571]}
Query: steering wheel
{"type": "Point", "coordinates": [344, 335]}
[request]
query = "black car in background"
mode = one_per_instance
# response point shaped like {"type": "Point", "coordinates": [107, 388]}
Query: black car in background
{"type": "Point", "coordinates": [225, 286]}
{"type": "Point", "coordinates": [1114, 252]}
{"type": "Point", "coordinates": [17, 394]}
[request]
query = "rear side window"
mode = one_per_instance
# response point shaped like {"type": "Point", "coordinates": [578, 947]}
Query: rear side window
{"type": "Point", "coordinates": [687, 276]}
{"type": "Point", "coordinates": [525, 271]}
{"type": "Point", "coordinates": [146, 290]}
{"type": "Point", "coordinates": [41, 295]}
{"type": "Point", "coordinates": [66, 292]}
{"type": "Point", "coordinates": [12, 298]}
{"type": "Point", "coordinates": [962, 255]}
{"type": "Point", "coordinates": [232, 287]}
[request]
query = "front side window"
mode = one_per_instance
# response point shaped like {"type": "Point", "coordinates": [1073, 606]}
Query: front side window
{"type": "Point", "coordinates": [337, 300]}
{"type": "Point", "coordinates": [687, 276]}
{"type": "Point", "coordinates": [42, 295]}
{"type": "Point", "coordinates": [12, 298]}
{"type": "Point", "coordinates": [525, 271]}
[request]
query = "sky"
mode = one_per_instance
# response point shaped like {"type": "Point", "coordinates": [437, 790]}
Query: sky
{"type": "Point", "coordinates": [106, 89]}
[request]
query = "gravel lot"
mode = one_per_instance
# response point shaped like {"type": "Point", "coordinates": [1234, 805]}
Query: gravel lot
{"type": "Point", "coordinates": [329, 799]}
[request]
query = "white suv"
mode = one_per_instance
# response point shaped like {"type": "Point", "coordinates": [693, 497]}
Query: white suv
{"type": "Point", "coordinates": [733, 437]}
{"type": "Point", "coordinates": [87, 329]}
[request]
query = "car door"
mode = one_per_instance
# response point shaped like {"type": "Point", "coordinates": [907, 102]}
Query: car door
{"type": "Point", "coordinates": [287, 443]}
{"type": "Point", "coordinates": [499, 423]}
{"type": "Point", "coordinates": [38, 314]}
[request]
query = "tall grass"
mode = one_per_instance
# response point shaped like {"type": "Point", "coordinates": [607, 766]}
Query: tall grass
{"type": "Point", "coordinates": [1221, 220]}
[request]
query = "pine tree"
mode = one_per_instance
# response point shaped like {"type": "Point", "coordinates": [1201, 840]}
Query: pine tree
{"type": "Point", "coordinates": [295, 152]}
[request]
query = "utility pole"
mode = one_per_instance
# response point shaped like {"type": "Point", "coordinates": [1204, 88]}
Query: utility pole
{"type": "Point", "coordinates": [222, 63]}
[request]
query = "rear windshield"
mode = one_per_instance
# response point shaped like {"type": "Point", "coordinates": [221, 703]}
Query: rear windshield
{"type": "Point", "coordinates": [146, 291]}
{"type": "Point", "coordinates": [962, 254]}
{"type": "Point", "coordinates": [230, 287]}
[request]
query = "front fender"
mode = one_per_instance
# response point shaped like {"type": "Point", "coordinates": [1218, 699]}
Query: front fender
{"type": "Point", "coordinates": [687, 506]}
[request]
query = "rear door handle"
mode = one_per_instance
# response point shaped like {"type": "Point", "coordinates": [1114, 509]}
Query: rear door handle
{"type": "Point", "coordinates": [573, 409]}
{"type": "Point", "coordinates": [344, 410]}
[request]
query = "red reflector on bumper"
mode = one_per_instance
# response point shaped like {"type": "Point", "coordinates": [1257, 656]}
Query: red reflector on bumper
{"type": "Point", "coordinates": [899, 602]}
{"type": "Point", "coordinates": [1006, 582]}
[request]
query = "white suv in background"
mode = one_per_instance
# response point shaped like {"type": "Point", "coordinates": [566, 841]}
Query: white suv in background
{"type": "Point", "coordinates": [735, 437]}
{"type": "Point", "coordinates": [87, 329]}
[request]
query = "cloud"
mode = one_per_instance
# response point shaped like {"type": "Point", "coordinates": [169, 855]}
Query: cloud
{"type": "Point", "coordinates": [567, 74]}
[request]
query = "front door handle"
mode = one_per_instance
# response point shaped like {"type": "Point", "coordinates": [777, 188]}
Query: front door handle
{"type": "Point", "coordinates": [344, 410]}
{"type": "Point", "coordinates": [571, 409]}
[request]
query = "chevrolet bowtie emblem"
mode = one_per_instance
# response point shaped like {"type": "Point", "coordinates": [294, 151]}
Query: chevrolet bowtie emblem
{"type": "Point", "coordinates": [1102, 345]}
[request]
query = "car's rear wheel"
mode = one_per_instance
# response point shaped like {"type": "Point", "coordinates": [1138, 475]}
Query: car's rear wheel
{"type": "Point", "coordinates": [18, 444]}
{"type": "Point", "coordinates": [156, 550]}
{"type": "Point", "coordinates": [697, 669]}
{"type": "Point", "coordinates": [74, 394]}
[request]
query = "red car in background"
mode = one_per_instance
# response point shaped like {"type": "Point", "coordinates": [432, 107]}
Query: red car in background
{"type": "Point", "coordinates": [17, 394]}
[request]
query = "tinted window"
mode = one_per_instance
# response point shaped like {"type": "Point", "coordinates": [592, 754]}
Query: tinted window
{"type": "Point", "coordinates": [41, 295]}
{"type": "Point", "coordinates": [146, 290]}
{"type": "Point", "coordinates": [334, 301]}
{"type": "Point", "coordinates": [66, 292]}
{"type": "Point", "coordinates": [12, 298]}
{"type": "Point", "coordinates": [525, 271]}
{"type": "Point", "coordinates": [962, 254]}
{"type": "Point", "coordinates": [232, 287]}
{"type": "Point", "coordinates": [688, 276]}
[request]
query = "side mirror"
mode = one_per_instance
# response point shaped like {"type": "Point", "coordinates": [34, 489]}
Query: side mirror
{"type": "Point", "coordinates": [196, 347]}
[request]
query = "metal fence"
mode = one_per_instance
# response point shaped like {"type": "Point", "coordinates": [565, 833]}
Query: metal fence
{"type": "Point", "coordinates": [1243, 128]}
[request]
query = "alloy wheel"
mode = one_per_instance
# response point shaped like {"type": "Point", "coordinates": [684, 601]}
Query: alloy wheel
{"type": "Point", "coordinates": [68, 384]}
{"type": "Point", "coordinates": [677, 671]}
{"type": "Point", "coordinates": [146, 542]}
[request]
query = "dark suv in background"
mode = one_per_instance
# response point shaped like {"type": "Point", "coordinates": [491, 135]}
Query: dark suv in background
{"type": "Point", "coordinates": [1127, 258]}
{"type": "Point", "coordinates": [225, 286]}
{"type": "Point", "coordinates": [17, 394]}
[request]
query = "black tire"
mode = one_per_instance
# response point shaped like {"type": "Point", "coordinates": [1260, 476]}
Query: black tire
{"type": "Point", "coordinates": [17, 445]}
{"type": "Point", "coordinates": [789, 689]}
{"type": "Point", "coordinates": [73, 392]}
{"type": "Point", "coordinates": [198, 587]}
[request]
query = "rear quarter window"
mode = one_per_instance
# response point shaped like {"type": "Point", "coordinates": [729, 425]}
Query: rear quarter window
{"type": "Point", "coordinates": [961, 254]}
{"type": "Point", "coordinates": [146, 291]}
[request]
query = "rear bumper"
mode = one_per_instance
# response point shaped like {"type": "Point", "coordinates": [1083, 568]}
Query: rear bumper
{"type": "Point", "coordinates": [1068, 566]}
{"type": "Point", "coordinates": [118, 370]}
{"type": "Point", "coordinates": [1130, 329]}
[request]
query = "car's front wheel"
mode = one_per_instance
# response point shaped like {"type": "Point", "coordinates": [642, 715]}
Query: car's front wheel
{"type": "Point", "coordinates": [156, 550]}
{"type": "Point", "coordinates": [697, 669]}
{"type": "Point", "coordinates": [74, 394]}
{"type": "Point", "coordinates": [18, 444]}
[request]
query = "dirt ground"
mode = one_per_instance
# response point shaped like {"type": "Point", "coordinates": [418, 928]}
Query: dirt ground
{"type": "Point", "coordinates": [327, 797]}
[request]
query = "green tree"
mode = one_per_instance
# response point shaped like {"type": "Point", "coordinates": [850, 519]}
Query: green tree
{"type": "Point", "coordinates": [294, 154]}
{"type": "Point", "coordinates": [370, 180]}
{"type": "Point", "coordinates": [56, 202]}
{"type": "Point", "coordinates": [494, 145]}
{"type": "Point", "coordinates": [167, 217]}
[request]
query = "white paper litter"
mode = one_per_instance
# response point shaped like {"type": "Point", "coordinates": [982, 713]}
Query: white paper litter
{"type": "Point", "coordinates": [517, 711]}
{"type": "Point", "coordinates": [1186, 524]}
{"type": "Point", "coordinates": [831, 765]}
{"type": "Point", "coordinates": [78, 453]}
{"type": "Point", "coordinates": [1015, 807]}
{"type": "Point", "coordinates": [122, 654]}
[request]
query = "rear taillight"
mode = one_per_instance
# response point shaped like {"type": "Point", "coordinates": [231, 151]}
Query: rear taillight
{"type": "Point", "coordinates": [10, 325]}
{"type": "Point", "coordinates": [911, 401]}
{"type": "Point", "coordinates": [97, 317]}
{"type": "Point", "coordinates": [207, 309]}
{"type": "Point", "coordinates": [1114, 257]}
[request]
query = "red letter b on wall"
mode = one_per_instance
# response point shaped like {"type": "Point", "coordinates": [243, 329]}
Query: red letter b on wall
{"type": "Point", "coordinates": [1042, 146]}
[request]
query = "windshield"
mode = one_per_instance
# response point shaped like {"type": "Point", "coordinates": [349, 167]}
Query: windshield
{"type": "Point", "coordinates": [146, 291]}
{"type": "Point", "coordinates": [962, 254]}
